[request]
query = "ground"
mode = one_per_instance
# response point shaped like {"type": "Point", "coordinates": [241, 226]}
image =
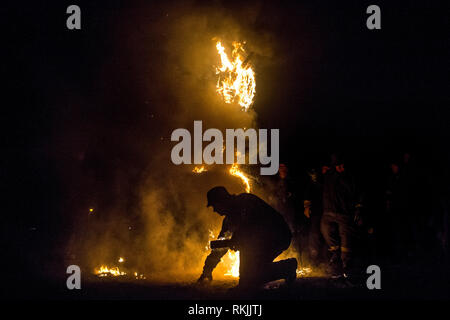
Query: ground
{"type": "Point", "coordinates": [426, 282]}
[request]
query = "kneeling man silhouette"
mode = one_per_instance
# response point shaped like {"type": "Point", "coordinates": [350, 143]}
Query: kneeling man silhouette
{"type": "Point", "coordinates": [260, 234]}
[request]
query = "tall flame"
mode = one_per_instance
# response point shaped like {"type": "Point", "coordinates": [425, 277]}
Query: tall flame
{"type": "Point", "coordinates": [236, 82]}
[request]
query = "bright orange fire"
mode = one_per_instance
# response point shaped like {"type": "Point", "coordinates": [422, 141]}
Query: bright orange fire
{"type": "Point", "coordinates": [232, 263]}
{"type": "Point", "coordinates": [236, 82]}
{"type": "Point", "coordinates": [139, 276]}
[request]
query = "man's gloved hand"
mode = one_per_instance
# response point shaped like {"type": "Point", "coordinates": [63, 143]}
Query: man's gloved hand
{"type": "Point", "coordinates": [205, 277]}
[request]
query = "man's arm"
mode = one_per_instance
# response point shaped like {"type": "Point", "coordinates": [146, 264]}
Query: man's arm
{"type": "Point", "coordinates": [213, 259]}
{"type": "Point", "coordinates": [211, 262]}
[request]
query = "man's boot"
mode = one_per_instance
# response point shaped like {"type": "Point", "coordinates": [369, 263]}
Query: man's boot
{"type": "Point", "coordinates": [284, 269]}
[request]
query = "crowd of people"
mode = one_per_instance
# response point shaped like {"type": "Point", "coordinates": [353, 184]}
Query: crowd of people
{"type": "Point", "coordinates": [337, 223]}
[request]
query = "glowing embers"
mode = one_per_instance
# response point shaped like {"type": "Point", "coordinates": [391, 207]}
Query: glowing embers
{"type": "Point", "coordinates": [105, 271]}
{"type": "Point", "coordinates": [139, 276]}
{"type": "Point", "coordinates": [236, 78]}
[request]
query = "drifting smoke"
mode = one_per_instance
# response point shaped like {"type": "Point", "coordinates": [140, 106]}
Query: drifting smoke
{"type": "Point", "coordinates": [157, 217]}
{"type": "Point", "coordinates": [173, 197]}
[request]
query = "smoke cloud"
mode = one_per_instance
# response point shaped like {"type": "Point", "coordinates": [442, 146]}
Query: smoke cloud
{"type": "Point", "coordinates": [152, 212]}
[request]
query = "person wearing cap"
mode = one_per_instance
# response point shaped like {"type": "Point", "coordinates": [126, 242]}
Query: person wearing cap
{"type": "Point", "coordinates": [258, 232]}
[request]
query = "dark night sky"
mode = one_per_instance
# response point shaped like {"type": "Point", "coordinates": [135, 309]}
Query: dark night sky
{"type": "Point", "coordinates": [334, 84]}
{"type": "Point", "coordinates": [333, 74]}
